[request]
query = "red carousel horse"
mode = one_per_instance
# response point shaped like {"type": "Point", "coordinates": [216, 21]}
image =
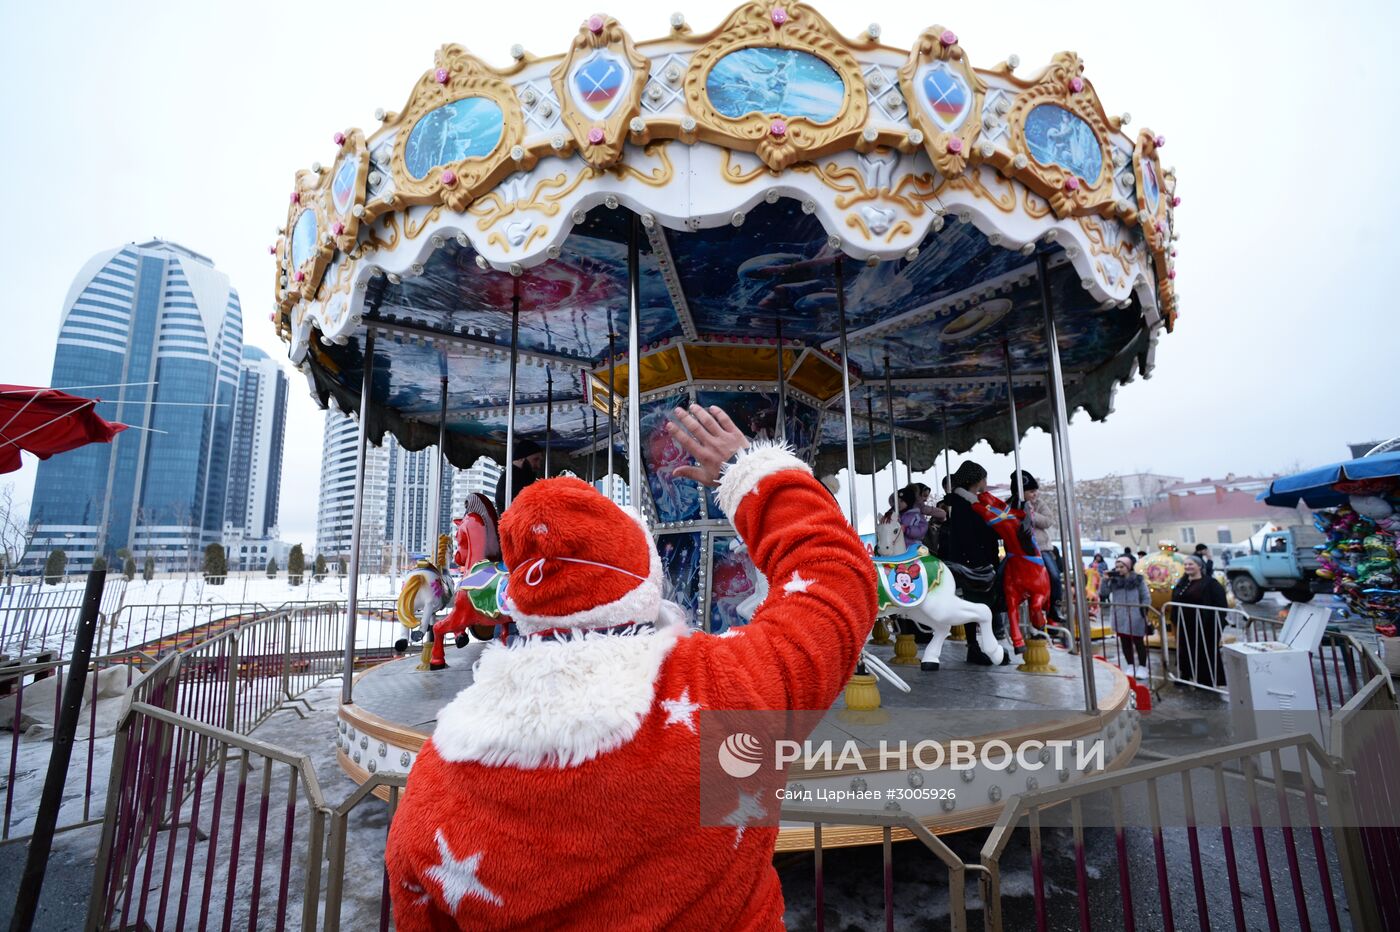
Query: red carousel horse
{"type": "Point", "coordinates": [1024, 579]}
{"type": "Point", "coordinates": [474, 608]}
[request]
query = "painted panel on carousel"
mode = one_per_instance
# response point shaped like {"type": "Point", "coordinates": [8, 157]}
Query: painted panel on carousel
{"type": "Point", "coordinates": [303, 238]}
{"type": "Point", "coordinates": [1057, 137]}
{"type": "Point", "coordinates": [680, 561]}
{"type": "Point", "coordinates": [946, 95]}
{"type": "Point", "coordinates": [575, 292]}
{"type": "Point", "coordinates": [675, 499]}
{"type": "Point", "coordinates": [597, 83]}
{"type": "Point", "coordinates": [775, 81]}
{"type": "Point", "coordinates": [463, 129]}
{"type": "Point", "coordinates": [343, 185]}
{"type": "Point", "coordinates": [730, 582]}
{"type": "Point", "coordinates": [755, 413]}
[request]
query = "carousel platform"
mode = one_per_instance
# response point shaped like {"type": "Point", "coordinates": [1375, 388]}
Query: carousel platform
{"type": "Point", "coordinates": [395, 708]}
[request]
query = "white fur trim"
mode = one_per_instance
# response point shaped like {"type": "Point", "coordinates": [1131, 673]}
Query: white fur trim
{"type": "Point", "coordinates": [762, 458]}
{"type": "Point", "coordinates": [554, 703]}
{"type": "Point", "coordinates": [641, 603]}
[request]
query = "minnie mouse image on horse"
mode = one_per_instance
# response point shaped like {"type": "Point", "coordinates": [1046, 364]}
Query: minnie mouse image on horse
{"type": "Point", "coordinates": [479, 595]}
{"type": "Point", "coordinates": [1024, 579]}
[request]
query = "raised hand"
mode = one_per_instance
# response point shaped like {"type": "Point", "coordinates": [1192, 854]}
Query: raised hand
{"type": "Point", "coordinates": [709, 436]}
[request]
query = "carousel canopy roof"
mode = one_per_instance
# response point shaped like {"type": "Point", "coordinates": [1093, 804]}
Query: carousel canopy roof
{"type": "Point", "coordinates": [765, 162]}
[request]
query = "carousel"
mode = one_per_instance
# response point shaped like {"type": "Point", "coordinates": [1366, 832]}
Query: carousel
{"type": "Point", "coordinates": [879, 255]}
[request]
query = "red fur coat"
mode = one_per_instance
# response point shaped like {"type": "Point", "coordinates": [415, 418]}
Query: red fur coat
{"type": "Point", "coordinates": [561, 789]}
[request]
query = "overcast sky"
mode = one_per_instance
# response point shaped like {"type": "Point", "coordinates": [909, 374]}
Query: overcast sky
{"type": "Point", "coordinates": [188, 121]}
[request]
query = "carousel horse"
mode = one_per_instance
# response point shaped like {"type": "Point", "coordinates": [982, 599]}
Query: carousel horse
{"type": "Point", "coordinates": [1024, 579]}
{"type": "Point", "coordinates": [477, 606]}
{"type": "Point", "coordinates": [920, 587]}
{"type": "Point", "coordinates": [914, 586]}
{"type": "Point", "coordinates": [426, 591]}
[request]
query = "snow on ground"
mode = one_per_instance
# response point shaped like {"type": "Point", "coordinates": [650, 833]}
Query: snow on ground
{"type": "Point", "coordinates": [35, 619]}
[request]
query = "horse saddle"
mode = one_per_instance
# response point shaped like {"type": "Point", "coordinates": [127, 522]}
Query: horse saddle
{"type": "Point", "coordinates": [973, 579]}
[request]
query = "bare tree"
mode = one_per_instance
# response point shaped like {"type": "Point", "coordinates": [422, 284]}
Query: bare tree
{"type": "Point", "coordinates": [1099, 501]}
{"type": "Point", "coordinates": [16, 530]}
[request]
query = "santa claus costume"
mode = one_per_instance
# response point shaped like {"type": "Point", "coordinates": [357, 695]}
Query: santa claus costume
{"type": "Point", "coordinates": [560, 790]}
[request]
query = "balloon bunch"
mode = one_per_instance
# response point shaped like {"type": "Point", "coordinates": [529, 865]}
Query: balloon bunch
{"type": "Point", "coordinates": [1360, 554]}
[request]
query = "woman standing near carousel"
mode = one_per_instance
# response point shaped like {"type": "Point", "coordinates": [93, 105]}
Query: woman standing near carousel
{"type": "Point", "coordinates": [1124, 599]}
{"type": "Point", "coordinates": [1198, 627]}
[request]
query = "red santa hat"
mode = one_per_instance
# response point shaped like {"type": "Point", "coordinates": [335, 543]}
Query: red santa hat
{"type": "Point", "coordinates": [577, 560]}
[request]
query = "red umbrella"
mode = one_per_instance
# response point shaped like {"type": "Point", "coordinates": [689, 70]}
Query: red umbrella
{"type": "Point", "coordinates": [46, 421]}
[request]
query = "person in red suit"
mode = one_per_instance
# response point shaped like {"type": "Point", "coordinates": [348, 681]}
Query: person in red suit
{"type": "Point", "coordinates": [561, 789]}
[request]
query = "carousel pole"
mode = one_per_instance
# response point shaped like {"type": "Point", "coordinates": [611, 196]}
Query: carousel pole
{"type": "Point", "coordinates": [1073, 573]}
{"type": "Point", "coordinates": [510, 410]}
{"type": "Point", "coordinates": [870, 423]}
{"type": "Point", "coordinates": [357, 525]}
{"type": "Point", "coordinates": [782, 382]}
{"type": "Point", "coordinates": [441, 468]}
{"type": "Point", "coordinates": [612, 399]}
{"type": "Point", "coordinates": [947, 468]}
{"type": "Point", "coordinates": [634, 359]}
{"type": "Point", "coordinates": [1015, 430]}
{"type": "Point", "coordinates": [846, 390]}
{"type": "Point", "coordinates": [548, 415]}
{"type": "Point", "coordinates": [894, 441]}
{"type": "Point", "coordinates": [593, 451]}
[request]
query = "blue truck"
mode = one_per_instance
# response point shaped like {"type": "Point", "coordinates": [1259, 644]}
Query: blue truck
{"type": "Point", "coordinates": [1286, 562]}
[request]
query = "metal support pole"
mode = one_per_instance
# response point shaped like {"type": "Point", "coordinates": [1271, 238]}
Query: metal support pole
{"type": "Point", "coordinates": [782, 382]}
{"type": "Point", "coordinates": [947, 469]}
{"type": "Point", "coordinates": [634, 364]}
{"type": "Point", "coordinates": [352, 604]}
{"type": "Point", "coordinates": [894, 441]}
{"type": "Point", "coordinates": [612, 400]}
{"type": "Point", "coordinates": [36, 861]}
{"type": "Point", "coordinates": [1073, 571]}
{"type": "Point", "coordinates": [1015, 430]}
{"type": "Point", "coordinates": [870, 423]}
{"type": "Point", "coordinates": [593, 451]}
{"type": "Point", "coordinates": [846, 392]}
{"type": "Point", "coordinates": [548, 416]}
{"type": "Point", "coordinates": [510, 408]}
{"type": "Point", "coordinates": [440, 464]}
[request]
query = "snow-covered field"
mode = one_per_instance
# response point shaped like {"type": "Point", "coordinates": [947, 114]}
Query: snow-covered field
{"type": "Point", "coordinates": [35, 619]}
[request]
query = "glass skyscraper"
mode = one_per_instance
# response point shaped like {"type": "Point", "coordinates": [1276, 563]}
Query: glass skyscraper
{"type": "Point", "coordinates": [156, 332]}
{"type": "Point", "coordinates": [255, 471]}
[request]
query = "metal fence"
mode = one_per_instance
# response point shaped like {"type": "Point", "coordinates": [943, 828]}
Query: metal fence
{"type": "Point", "coordinates": [241, 827]}
{"type": "Point", "coordinates": [237, 666]}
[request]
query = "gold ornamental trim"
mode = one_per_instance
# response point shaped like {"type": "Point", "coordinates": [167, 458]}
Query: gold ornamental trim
{"type": "Point", "coordinates": [600, 140]}
{"type": "Point", "coordinates": [950, 149]}
{"type": "Point", "coordinates": [457, 75]}
{"type": "Point", "coordinates": [1063, 85]}
{"type": "Point", "coordinates": [779, 139]}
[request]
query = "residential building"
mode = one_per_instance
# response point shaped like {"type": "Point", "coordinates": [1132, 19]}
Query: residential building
{"type": "Point", "coordinates": [1231, 483]}
{"type": "Point", "coordinates": [1220, 516]}
{"type": "Point", "coordinates": [336, 511]}
{"type": "Point", "coordinates": [156, 331]}
{"type": "Point", "coordinates": [413, 482]}
{"type": "Point", "coordinates": [481, 476]}
{"type": "Point", "coordinates": [255, 472]}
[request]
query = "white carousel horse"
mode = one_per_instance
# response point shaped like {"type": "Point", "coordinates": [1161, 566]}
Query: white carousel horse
{"type": "Point", "coordinates": [427, 590]}
{"type": "Point", "coordinates": [921, 588]}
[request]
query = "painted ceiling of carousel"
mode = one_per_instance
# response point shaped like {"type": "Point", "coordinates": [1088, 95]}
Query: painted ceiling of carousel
{"type": "Point", "coordinates": [930, 316]}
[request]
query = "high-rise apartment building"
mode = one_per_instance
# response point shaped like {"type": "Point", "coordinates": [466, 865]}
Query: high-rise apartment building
{"type": "Point", "coordinates": [481, 476]}
{"type": "Point", "coordinates": [255, 470]}
{"type": "Point", "coordinates": [336, 511]}
{"type": "Point", "coordinates": [156, 332]}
